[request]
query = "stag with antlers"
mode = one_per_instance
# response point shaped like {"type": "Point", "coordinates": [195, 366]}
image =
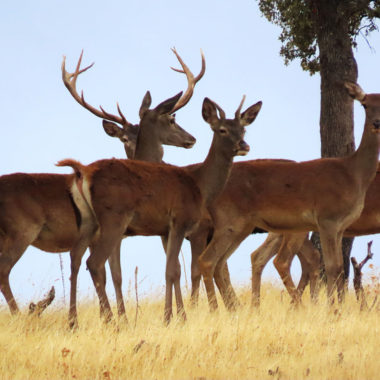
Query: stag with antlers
{"type": "Point", "coordinates": [39, 210]}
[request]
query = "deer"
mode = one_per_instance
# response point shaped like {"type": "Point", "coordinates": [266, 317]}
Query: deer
{"type": "Point", "coordinates": [368, 223]}
{"type": "Point", "coordinates": [136, 197]}
{"type": "Point", "coordinates": [325, 195]}
{"type": "Point", "coordinates": [159, 128]}
{"type": "Point", "coordinates": [38, 209]}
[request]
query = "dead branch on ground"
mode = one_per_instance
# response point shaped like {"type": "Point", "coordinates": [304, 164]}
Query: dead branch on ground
{"type": "Point", "coordinates": [38, 308]}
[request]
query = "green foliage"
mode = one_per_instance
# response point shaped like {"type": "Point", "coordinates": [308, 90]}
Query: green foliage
{"type": "Point", "coordinates": [299, 21]}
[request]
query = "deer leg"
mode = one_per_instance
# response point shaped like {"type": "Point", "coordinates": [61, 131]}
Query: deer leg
{"type": "Point", "coordinates": [305, 277]}
{"type": "Point", "coordinates": [207, 263]}
{"type": "Point", "coordinates": [198, 243]}
{"type": "Point", "coordinates": [12, 248]}
{"type": "Point", "coordinates": [7, 261]}
{"type": "Point", "coordinates": [332, 257]}
{"type": "Point", "coordinates": [87, 232]}
{"type": "Point", "coordinates": [76, 255]}
{"type": "Point", "coordinates": [223, 282]}
{"type": "Point", "coordinates": [111, 233]}
{"type": "Point", "coordinates": [95, 264]}
{"type": "Point", "coordinates": [282, 263]}
{"type": "Point", "coordinates": [226, 290]}
{"type": "Point", "coordinates": [310, 261]}
{"type": "Point", "coordinates": [173, 275]}
{"type": "Point", "coordinates": [291, 244]}
{"type": "Point", "coordinates": [115, 267]}
{"type": "Point", "coordinates": [222, 275]}
{"type": "Point", "coordinates": [222, 245]}
{"type": "Point", "coordinates": [164, 240]}
{"type": "Point", "coordinates": [260, 258]}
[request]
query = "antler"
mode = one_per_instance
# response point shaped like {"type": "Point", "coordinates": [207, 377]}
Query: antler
{"type": "Point", "coordinates": [237, 113]}
{"type": "Point", "coordinates": [190, 79]}
{"type": "Point", "coordinates": [70, 81]}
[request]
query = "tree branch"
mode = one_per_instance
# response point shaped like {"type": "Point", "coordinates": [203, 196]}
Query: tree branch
{"type": "Point", "coordinates": [358, 286]}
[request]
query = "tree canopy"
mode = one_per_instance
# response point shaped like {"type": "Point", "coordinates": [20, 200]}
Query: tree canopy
{"type": "Point", "coordinates": [300, 23]}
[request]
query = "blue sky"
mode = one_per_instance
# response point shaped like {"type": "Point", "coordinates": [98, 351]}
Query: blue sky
{"type": "Point", "coordinates": [130, 42]}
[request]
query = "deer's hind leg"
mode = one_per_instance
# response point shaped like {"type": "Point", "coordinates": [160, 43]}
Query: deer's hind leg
{"type": "Point", "coordinates": [173, 274]}
{"type": "Point", "coordinates": [291, 244]}
{"type": "Point", "coordinates": [12, 247]}
{"type": "Point", "coordinates": [259, 258]}
{"type": "Point", "coordinates": [111, 231]}
{"type": "Point", "coordinates": [115, 267]}
{"type": "Point", "coordinates": [310, 263]}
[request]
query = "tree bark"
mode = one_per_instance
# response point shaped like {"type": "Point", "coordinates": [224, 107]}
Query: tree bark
{"type": "Point", "coordinates": [337, 64]}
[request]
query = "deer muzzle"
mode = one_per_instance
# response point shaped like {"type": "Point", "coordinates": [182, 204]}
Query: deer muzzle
{"type": "Point", "coordinates": [190, 143]}
{"type": "Point", "coordinates": [243, 148]}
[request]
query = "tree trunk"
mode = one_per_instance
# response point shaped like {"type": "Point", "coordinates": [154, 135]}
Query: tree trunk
{"type": "Point", "coordinates": [337, 64]}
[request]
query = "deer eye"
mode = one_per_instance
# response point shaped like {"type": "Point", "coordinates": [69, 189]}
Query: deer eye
{"type": "Point", "coordinates": [223, 131]}
{"type": "Point", "coordinates": [172, 120]}
{"type": "Point", "coordinates": [124, 139]}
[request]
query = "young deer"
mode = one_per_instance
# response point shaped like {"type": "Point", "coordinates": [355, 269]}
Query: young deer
{"type": "Point", "coordinates": [324, 195]}
{"type": "Point", "coordinates": [368, 223]}
{"type": "Point", "coordinates": [39, 210]}
{"type": "Point", "coordinates": [130, 197]}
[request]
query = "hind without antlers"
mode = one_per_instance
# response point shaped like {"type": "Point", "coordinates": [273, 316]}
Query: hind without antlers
{"type": "Point", "coordinates": [325, 195]}
{"type": "Point", "coordinates": [368, 223]}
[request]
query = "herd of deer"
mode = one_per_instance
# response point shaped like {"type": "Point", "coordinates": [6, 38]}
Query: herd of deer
{"type": "Point", "coordinates": [215, 204]}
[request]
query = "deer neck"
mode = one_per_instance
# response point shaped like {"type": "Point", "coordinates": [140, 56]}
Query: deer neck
{"type": "Point", "coordinates": [212, 175]}
{"type": "Point", "coordinates": [148, 145]}
{"type": "Point", "coordinates": [365, 159]}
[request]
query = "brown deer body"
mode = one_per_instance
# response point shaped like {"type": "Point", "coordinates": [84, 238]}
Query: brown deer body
{"type": "Point", "coordinates": [287, 245]}
{"type": "Point", "coordinates": [325, 195]}
{"type": "Point", "coordinates": [158, 199]}
{"type": "Point", "coordinates": [39, 209]}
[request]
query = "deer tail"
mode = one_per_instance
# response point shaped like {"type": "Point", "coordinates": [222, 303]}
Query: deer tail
{"type": "Point", "coordinates": [76, 165]}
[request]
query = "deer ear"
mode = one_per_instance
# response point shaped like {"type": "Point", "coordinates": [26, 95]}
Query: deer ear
{"type": "Point", "coordinates": [355, 91]}
{"type": "Point", "coordinates": [249, 115]}
{"type": "Point", "coordinates": [209, 112]}
{"type": "Point", "coordinates": [167, 105]}
{"type": "Point", "coordinates": [112, 129]}
{"type": "Point", "coordinates": [146, 102]}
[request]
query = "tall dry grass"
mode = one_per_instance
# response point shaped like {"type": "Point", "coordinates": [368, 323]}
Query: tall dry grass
{"type": "Point", "coordinates": [278, 342]}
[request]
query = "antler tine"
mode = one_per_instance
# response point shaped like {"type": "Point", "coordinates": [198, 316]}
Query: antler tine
{"type": "Point", "coordinates": [109, 116]}
{"type": "Point", "coordinates": [70, 79]}
{"type": "Point", "coordinates": [121, 113]}
{"type": "Point", "coordinates": [203, 68]}
{"type": "Point", "coordinates": [192, 81]}
{"type": "Point", "coordinates": [237, 113]}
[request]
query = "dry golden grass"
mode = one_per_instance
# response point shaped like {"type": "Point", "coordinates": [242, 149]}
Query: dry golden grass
{"type": "Point", "coordinates": [311, 342]}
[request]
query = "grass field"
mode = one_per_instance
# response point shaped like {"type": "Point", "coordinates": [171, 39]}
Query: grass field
{"type": "Point", "coordinates": [279, 342]}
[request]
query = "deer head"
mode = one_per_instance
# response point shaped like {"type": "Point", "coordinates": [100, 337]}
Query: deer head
{"type": "Point", "coordinates": [127, 135]}
{"type": "Point", "coordinates": [161, 122]}
{"type": "Point", "coordinates": [166, 130]}
{"type": "Point", "coordinates": [230, 132]}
